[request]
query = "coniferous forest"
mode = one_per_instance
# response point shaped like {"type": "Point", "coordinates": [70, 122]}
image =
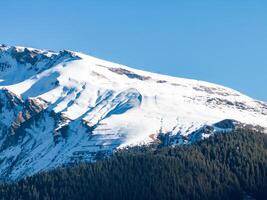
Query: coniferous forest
{"type": "Point", "coordinates": [226, 166]}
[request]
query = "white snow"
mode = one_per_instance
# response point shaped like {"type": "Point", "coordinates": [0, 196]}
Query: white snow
{"type": "Point", "coordinates": [127, 106]}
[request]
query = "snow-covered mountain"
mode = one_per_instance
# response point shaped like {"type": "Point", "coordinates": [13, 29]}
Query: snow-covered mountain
{"type": "Point", "coordinates": [64, 107]}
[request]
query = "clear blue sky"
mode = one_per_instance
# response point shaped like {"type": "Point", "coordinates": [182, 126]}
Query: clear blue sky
{"type": "Point", "coordinates": [221, 41]}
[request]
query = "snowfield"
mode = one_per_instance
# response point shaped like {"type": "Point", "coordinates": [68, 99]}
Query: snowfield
{"type": "Point", "coordinates": [64, 107]}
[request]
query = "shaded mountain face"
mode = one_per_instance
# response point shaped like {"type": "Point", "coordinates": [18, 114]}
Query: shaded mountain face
{"type": "Point", "coordinates": [59, 108]}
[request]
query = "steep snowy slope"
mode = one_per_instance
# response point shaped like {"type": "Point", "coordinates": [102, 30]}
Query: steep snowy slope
{"type": "Point", "coordinates": [64, 107]}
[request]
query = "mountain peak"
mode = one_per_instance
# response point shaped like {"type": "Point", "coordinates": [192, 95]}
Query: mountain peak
{"type": "Point", "coordinates": [67, 107]}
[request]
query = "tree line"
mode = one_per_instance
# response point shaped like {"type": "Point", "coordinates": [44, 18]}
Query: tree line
{"type": "Point", "coordinates": [226, 166]}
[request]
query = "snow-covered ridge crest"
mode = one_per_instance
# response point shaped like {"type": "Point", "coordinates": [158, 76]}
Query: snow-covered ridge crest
{"type": "Point", "coordinates": [65, 107]}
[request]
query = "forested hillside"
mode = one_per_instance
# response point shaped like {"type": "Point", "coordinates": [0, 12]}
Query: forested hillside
{"type": "Point", "coordinates": [226, 166]}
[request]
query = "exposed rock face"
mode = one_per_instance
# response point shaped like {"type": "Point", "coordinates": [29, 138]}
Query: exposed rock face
{"type": "Point", "coordinates": [128, 73]}
{"type": "Point", "coordinates": [14, 112]}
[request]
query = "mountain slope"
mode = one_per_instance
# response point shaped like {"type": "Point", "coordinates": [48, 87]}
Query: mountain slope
{"type": "Point", "coordinates": [226, 166]}
{"type": "Point", "coordinates": [65, 107]}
